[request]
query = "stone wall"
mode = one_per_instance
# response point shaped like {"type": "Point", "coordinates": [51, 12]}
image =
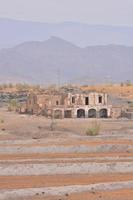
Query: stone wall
{"type": "Point", "coordinates": [70, 105]}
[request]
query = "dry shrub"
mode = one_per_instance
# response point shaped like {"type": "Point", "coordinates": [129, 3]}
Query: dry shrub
{"type": "Point", "coordinates": [93, 129]}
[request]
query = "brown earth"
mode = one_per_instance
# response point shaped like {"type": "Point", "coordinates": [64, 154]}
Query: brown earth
{"type": "Point", "coordinates": [27, 127]}
{"type": "Point", "coordinates": [19, 182]}
{"type": "Point", "coordinates": [32, 131]}
{"type": "Point", "coordinates": [73, 142]}
{"type": "Point", "coordinates": [62, 155]}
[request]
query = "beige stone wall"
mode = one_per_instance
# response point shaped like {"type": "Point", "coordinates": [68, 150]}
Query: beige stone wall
{"type": "Point", "coordinates": [116, 112]}
{"type": "Point", "coordinates": [94, 99]}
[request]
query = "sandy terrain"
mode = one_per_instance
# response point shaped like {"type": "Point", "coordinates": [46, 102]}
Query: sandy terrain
{"type": "Point", "coordinates": [108, 195]}
{"type": "Point", "coordinates": [64, 164]}
{"type": "Point", "coordinates": [20, 182]}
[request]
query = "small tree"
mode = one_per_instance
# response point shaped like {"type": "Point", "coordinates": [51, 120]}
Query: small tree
{"type": "Point", "coordinates": [4, 86]}
{"type": "Point", "coordinates": [10, 85]}
{"type": "Point", "coordinates": [128, 83]}
{"type": "Point", "coordinates": [52, 124]}
{"type": "Point", "coordinates": [122, 84]}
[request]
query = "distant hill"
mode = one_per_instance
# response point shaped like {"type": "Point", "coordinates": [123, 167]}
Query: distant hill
{"type": "Point", "coordinates": [14, 32]}
{"type": "Point", "coordinates": [56, 60]}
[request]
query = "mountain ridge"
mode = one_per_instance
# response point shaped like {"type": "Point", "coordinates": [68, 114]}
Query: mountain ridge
{"type": "Point", "coordinates": [14, 32]}
{"type": "Point", "coordinates": [40, 62]}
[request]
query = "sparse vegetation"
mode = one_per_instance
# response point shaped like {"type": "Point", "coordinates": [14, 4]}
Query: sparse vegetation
{"type": "Point", "coordinates": [123, 89]}
{"type": "Point", "coordinates": [19, 87]}
{"type": "Point", "coordinates": [93, 129]}
{"type": "Point", "coordinates": [122, 84]}
{"type": "Point", "coordinates": [13, 105]}
{"type": "Point", "coordinates": [52, 124]}
{"type": "Point", "coordinates": [128, 83]}
{"type": "Point", "coordinates": [2, 124]}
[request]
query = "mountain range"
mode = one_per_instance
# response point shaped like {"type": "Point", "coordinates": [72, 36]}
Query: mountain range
{"type": "Point", "coordinates": [14, 32]}
{"type": "Point", "coordinates": [59, 61]}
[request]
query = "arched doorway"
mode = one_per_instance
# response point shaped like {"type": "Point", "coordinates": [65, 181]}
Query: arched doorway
{"type": "Point", "coordinates": [81, 113]}
{"type": "Point", "coordinates": [58, 114]}
{"type": "Point", "coordinates": [92, 113]}
{"type": "Point", "coordinates": [68, 114]}
{"type": "Point", "coordinates": [103, 113]}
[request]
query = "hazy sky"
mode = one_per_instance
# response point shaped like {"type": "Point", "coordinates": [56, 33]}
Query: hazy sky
{"type": "Point", "coordinates": [115, 12]}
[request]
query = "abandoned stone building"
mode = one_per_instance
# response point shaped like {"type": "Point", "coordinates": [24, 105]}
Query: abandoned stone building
{"type": "Point", "coordinates": [68, 105]}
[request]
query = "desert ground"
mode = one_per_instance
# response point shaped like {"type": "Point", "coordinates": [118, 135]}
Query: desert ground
{"type": "Point", "coordinates": [120, 90]}
{"type": "Point", "coordinates": [64, 164]}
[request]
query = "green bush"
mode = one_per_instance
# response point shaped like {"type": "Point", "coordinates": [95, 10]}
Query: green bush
{"type": "Point", "coordinates": [93, 129]}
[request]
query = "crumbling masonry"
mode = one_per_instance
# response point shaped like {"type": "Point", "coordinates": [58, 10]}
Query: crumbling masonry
{"type": "Point", "coordinates": [68, 105]}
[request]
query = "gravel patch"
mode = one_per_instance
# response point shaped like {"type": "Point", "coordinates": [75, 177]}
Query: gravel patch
{"type": "Point", "coordinates": [54, 191]}
{"type": "Point", "coordinates": [78, 137]}
{"type": "Point", "coordinates": [96, 159]}
{"type": "Point", "coordinates": [66, 168]}
{"type": "Point", "coordinates": [68, 149]}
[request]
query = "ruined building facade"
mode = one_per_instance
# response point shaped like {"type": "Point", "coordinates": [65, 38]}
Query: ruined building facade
{"type": "Point", "coordinates": [68, 105]}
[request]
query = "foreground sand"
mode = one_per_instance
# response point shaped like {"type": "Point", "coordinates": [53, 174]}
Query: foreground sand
{"type": "Point", "coordinates": [65, 165]}
{"type": "Point", "coordinates": [107, 195]}
{"type": "Point", "coordinates": [59, 170]}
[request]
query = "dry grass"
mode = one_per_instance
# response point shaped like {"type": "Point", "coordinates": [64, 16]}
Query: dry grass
{"type": "Point", "coordinates": [124, 91]}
